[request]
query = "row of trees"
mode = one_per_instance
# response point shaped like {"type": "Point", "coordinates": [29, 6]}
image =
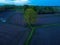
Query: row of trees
{"type": "Point", "coordinates": [43, 9]}
{"type": "Point", "coordinates": [38, 9]}
{"type": "Point", "coordinates": [6, 7]}
{"type": "Point", "coordinates": [10, 7]}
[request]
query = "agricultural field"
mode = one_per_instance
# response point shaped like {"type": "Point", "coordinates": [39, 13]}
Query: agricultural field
{"type": "Point", "coordinates": [15, 30]}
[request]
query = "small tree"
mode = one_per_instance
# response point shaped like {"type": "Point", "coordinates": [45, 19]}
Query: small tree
{"type": "Point", "coordinates": [30, 16]}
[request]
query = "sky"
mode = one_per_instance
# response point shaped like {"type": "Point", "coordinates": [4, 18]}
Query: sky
{"type": "Point", "coordinates": [31, 2]}
{"type": "Point", "coordinates": [15, 2]}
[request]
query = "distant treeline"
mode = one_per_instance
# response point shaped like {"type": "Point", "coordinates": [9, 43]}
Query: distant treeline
{"type": "Point", "coordinates": [10, 7]}
{"type": "Point", "coordinates": [38, 9]}
{"type": "Point", "coordinates": [43, 9]}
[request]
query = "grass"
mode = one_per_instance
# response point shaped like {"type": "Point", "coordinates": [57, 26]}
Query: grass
{"type": "Point", "coordinates": [33, 30]}
{"type": "Point", "coordinates": [47, 25]}
{"type": "Point", "coordinates": [30, 35]}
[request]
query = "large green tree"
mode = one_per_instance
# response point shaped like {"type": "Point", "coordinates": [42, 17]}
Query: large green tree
{"type": "Point", "coordinates": [30, 17]}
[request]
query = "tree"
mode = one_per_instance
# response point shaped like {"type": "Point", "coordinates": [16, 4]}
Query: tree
{"type": "Point", "coordinates": [30, 17]}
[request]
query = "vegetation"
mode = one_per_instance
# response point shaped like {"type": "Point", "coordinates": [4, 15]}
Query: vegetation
{"type": "Point", "coordinates": [38, 9]}
{"type": "Point", "coordinates": [30, 17]}
{"type": "Point", "coordinates": [44, 9]}
{"type": "Point", "coordinates": [10, 7]}
{"type": "Point", "coordinates": [30, 14]}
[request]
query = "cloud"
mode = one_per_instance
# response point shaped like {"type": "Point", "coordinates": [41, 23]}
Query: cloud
{"type": "Point", "coordinates": [14, 1]}
{"type": "Point", "coordinates": [20, 1]}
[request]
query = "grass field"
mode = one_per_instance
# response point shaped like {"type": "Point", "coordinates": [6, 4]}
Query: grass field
{"type": "Point", "coordinates": [45, 32]}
